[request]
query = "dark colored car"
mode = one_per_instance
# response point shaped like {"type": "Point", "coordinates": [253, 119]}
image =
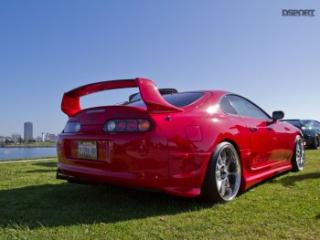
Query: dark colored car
{"type": "Point", "coordinates": [310, 130]}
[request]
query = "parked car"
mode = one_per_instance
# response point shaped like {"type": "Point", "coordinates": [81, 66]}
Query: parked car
{"type": "Point", "coordinates": [199, 143]}
{"type": "Point", "coordinates": [310, 130]}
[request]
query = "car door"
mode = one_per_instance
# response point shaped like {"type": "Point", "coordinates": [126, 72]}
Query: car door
{"type": "Point", "coordinates": [283, 141]}
{"type": "Point", "coordinates": [262, 133]}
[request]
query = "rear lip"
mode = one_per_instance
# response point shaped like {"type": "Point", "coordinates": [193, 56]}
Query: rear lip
{"type": "Point", "coordinates": [124, 179]}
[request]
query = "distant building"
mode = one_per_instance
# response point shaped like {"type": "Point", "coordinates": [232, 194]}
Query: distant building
{"type": "Point", "coordinates": [48, 137]}
{"type": "Point", "coordinates": [51, 137]}
{"type": "Point", "coordinates": [2, 139]}
{"type": "Point", "coordinates": [28, 131]}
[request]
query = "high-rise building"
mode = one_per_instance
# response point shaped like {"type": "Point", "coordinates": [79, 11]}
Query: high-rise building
{"type": "Point", "coordinates": [28, 131]}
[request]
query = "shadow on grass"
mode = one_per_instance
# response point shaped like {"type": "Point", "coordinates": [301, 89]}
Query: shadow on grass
{"type": "Point", "coordinates": [45, 164]}
{"type": "Point", "coordinates": [290, 181]}
{"type": "Point", "coordinates": [71, 204]}
{"type": "Point", "coordinates": [41, 171]}
{"type": "Point", "coordinates": [318, 216]}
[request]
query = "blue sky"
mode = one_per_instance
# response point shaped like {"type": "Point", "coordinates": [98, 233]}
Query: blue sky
{"type": "Point", "coordinates": [247, 47]}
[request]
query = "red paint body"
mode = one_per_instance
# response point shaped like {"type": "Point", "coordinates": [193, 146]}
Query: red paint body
{"type": "Point", "coordinates": [173, 156]}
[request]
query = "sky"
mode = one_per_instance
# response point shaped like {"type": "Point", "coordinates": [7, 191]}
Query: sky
{"type": "Point", "coordinates": [246, 47]}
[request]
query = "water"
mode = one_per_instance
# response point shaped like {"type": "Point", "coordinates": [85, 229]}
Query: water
{"type": "Point", "coordinates": [23, 153]}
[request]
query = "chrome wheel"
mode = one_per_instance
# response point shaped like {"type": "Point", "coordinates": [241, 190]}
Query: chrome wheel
{"type": "Point", "coordinates": [228, 173]}
{"type": "Point", "coordinates": [299, 154]}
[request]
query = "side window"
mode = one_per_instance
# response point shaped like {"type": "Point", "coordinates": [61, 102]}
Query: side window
{"type": "Point", "coordinates": [316, 124]}
{"type": "Point", "coordinates": [226, 106]}
{"type": "Point", "coordinates": [312, 124]}
{"type": "Point", "coordinates": [246, 108]}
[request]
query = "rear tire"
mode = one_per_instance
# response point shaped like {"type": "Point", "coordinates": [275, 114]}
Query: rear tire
{"type": "Point", "coordinates": [223, 177]}
{"type": "Point", "coordinates": [298, 155]}
{"type": "Point", "coordinates": [71, 181]}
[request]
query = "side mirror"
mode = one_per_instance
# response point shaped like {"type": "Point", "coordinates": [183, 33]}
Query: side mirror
{"type": "Point", "coordinates": [277, 115]}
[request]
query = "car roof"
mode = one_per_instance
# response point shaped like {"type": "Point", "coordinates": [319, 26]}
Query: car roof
{"type": "Point", "coordinates": [300, 120]}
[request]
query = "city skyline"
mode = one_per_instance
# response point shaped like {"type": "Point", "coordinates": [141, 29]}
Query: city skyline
{"type": "Point", "coordinates": [48, 48]}
{"type": "Point", "coordinates": [27, 134]}
{"type": "Point", "coordinates": [21, 133]}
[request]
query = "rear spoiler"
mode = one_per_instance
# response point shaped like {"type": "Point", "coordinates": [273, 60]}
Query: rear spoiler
{"type": "Point", "coordinates": [70, 104]}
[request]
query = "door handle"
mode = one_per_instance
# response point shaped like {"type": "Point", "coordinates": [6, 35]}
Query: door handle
{"type": "Point", "coordinates": [253, 129]}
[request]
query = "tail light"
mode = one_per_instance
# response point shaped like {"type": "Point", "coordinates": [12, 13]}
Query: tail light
{"type": "Point", "coordinates": [127, 125]}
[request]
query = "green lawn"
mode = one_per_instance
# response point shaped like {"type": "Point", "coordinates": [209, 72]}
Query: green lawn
{"type": "Point", "coordinates": [34, 205]}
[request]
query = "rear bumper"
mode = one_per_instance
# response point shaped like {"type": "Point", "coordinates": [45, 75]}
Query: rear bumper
{"type": "Point", "coordinates": [153, 167]}
{"type": "Point", "coordinates": [187, 184]}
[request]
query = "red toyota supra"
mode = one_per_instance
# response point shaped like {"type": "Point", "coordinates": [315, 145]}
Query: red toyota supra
{"type": "Point", "coordinates": [212, 144]}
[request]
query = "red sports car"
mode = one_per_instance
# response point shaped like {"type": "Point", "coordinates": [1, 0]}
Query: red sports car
{"type": "Point", "coordinates": [208, 143]}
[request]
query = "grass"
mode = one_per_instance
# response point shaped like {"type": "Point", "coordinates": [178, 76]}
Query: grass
{"type": "Point", "coordinates": [34, 205]}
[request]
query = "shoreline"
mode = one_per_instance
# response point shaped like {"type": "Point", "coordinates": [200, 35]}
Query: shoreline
{"type": "Point", "coordinates": [27, 160]}
{"type": "Point", "coordinates": [26, 146]}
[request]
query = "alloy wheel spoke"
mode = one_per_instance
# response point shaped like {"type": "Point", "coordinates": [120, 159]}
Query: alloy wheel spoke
{"type": "Point", "coordinates": [222, 189]}
{"type": "Point", "coordinates": [219, 162]}
{"type": "Point", "coordinates": [219, 185]}
{"type": "Point", "coordinates": [218, 175]}
{"type": "Point", "coordinates": [223, 157]}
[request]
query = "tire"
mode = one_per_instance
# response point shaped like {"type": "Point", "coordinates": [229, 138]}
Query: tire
{"type": "Point", "coordinates": [71, 181]}
{"type": "Point", "coordinates": [298, 155]}
{"type": "Point", "coordinates": [223, 178]}
{"type": "Point", "coordinates": [316, 143]}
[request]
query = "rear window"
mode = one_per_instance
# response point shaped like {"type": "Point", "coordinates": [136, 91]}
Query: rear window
{"type": "Point", "coordinates": [177, 99]}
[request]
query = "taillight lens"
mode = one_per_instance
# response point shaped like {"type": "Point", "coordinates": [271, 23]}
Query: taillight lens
{"type": "Point", "coordinates": [110, 126]}
{"type": "Point", "coordinates": [132, 125]}
{"type": "Point", "coordinates": [72, 127]}
{"type": "Point", "coordinates": [127, 125]}
{"type": "Point", "coordinates": [144, 125]}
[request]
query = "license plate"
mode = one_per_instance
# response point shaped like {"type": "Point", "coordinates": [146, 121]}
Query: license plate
{"type": "Point", "coordinates": [87, 150]}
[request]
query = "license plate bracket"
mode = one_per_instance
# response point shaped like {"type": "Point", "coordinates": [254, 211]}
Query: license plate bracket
{"type": "Point", "coordinates": [87, 150]}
